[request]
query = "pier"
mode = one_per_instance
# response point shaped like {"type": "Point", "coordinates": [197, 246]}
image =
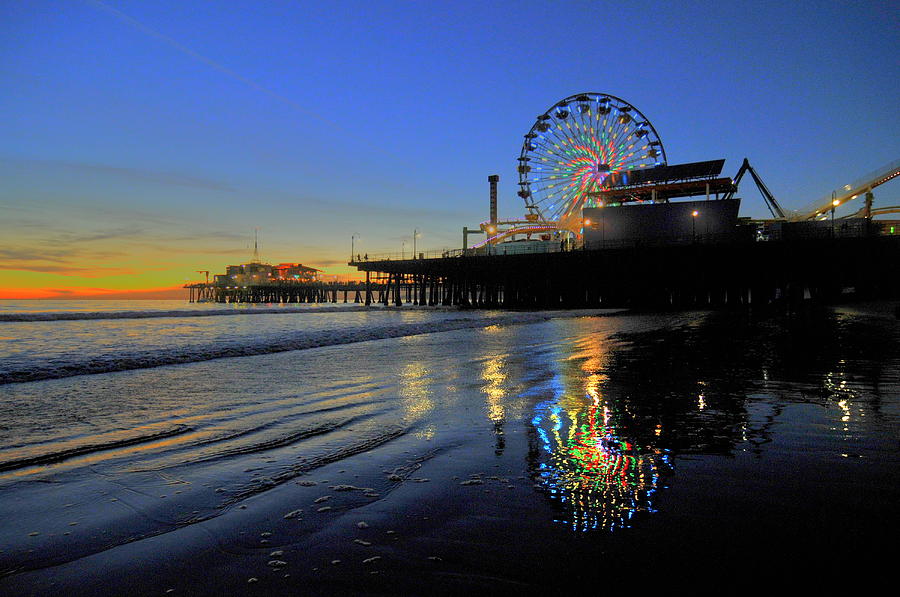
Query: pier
{"type": "Point", "coordinates": [697, 274]}
{"type": "Point", "coordinates": [606, 228]}
{"type": "Point", "coordinates": [282, 292]}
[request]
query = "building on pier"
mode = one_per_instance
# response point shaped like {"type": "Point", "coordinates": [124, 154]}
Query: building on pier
{"type": "Point", "coordinates": [295, 272]}
{"type": "Point", "coordinates": [656, 222]}
{"type": "Point", "coordinates": [256, 273]}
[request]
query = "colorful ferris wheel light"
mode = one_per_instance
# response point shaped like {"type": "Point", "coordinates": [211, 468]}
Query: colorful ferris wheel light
{"type": "Point", "coordinates": [580, 147]}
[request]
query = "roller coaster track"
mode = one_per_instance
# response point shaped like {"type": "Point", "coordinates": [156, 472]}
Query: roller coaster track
{"type": "Point", "coordinates": [878, 211]}
{"type": "Point", "coordinates": [850, 192]}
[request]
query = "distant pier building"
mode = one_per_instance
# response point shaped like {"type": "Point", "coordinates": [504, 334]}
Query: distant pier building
{"type": "Point", "coordinates": [256, 281]}
{"type": "Point", "coordinates": [256, 273]}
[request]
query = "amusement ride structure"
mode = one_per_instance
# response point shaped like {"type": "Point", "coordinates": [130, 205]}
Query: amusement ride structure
{"type": "Point", "coordinates": [581, 146]}
{"type": "Point", "coordinates": [575, 151]}
{"type": "Point", "coordinates": [609, 222]}
{"type": "Point", "coordinates": [593, 150]}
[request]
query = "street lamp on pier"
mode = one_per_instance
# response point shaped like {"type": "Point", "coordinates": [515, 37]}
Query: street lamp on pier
{"type": "Point", "coordinates": [694, 215]}
{"type": "Point", "coordinates": [834, 203]}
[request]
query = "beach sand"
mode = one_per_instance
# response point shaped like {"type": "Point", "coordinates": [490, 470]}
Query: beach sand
{"type": "Point", "coordinates": [558, 469]}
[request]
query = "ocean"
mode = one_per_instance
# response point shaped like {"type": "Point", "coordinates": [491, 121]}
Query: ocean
{"type": "Point", "coordinates": [158, 446]}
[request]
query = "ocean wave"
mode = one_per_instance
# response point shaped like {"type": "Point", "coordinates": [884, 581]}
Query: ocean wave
{"type": "Point", "coordinates": [223, 450]}
{"type": "Point", "coordinates": [108, 363]}
{"type": "Point", "coordinates": [360, 445]}
{"type": "Point", "coordinates": [92, 315]}
{"type": "Point", "coordinates": [61, 455]}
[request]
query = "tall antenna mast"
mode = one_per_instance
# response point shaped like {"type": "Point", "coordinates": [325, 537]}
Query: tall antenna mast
{"type": "Point", "coordinates": [255, 245]}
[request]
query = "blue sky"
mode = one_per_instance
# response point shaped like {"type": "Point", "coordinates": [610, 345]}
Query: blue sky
{"type": "Point", "coordinates": [169, 130]}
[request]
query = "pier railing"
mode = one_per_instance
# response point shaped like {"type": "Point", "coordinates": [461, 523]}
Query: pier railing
{"type": "Point", "coordinates": [406, 256]}
{"type": "Point", "coordinates": [535, 247]}
{"type": "Point", "coordinates": [854, 228]}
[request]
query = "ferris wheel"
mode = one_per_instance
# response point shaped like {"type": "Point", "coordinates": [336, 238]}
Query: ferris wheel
{"type": "Point", "coordinates": [581, 146]}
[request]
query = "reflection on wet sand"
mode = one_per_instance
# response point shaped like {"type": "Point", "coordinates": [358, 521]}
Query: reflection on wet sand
{"type": "Point", "coordinates": [620, 408]}
{"type": "Point", "coordinates": [416, 396]}
{"type": "Point", "coordinates": [494, 378]}
{"type": "Point", "coordinates": [600, 477]}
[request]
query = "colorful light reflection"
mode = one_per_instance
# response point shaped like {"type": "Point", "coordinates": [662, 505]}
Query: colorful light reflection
{"type": "Point", "coordinates": [601, 479]}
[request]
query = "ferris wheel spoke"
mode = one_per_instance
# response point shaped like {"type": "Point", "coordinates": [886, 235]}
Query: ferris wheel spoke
{"type": "Point", "coordinates": [617, 131]}
{"type": "Point", "coordinates": [633, 157]}
{"type": "Point", "coordinates": [549, 187]}
{"type": "Point", "coordinates": [564, 132]}
{"type": "Point", "coordinates": [554, 138]}
{"type": "Point", "coordinates": [560, 183]}
{"type": "Point", "coordinates": [585, 124]}
{"type": "Point", "coordinates": [552, 173]}
{"type": "Point", "coordinates": [548, 148]}
{"type": "Point", "coordinates": [554, 192]}
{"type": "Point", "coordinates": [621, 113]}
{"type": "Point", "coordinates": [549, 205]}
{"type": "Point", "coordinates": [548, 152]}
{"type": "Point", "coordinates": [571, 148]}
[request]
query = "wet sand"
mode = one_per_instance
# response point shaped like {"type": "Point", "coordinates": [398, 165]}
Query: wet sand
{"type": "Point", "coordinates": [619, 455]}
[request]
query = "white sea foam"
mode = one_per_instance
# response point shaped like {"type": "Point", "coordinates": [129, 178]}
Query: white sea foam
{"type": "Point", "coordinates": [213, 312]}
{"type": "Point", "coordinates": [76, 364]}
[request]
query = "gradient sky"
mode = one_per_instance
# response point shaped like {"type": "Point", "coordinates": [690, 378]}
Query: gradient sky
{"type": "Point", "coordinates": [141, 141]}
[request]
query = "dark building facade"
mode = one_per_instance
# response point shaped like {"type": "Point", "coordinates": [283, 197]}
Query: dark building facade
{"type": "Point", "coordinates": [661, 222]}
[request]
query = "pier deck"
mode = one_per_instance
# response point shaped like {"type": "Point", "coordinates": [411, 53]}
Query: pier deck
{"type": "Point", "coordinates": [285, 292]}
{"type": "Point", "coordinates": [681, 276]}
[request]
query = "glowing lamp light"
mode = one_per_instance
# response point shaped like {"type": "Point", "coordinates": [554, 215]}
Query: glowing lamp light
{"type": "Point", "coordinates": [587, 222]}
{"type": "Point", "coordinates": [835, 203]}
{"type": "Point", "coordinates": [695, 213]}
